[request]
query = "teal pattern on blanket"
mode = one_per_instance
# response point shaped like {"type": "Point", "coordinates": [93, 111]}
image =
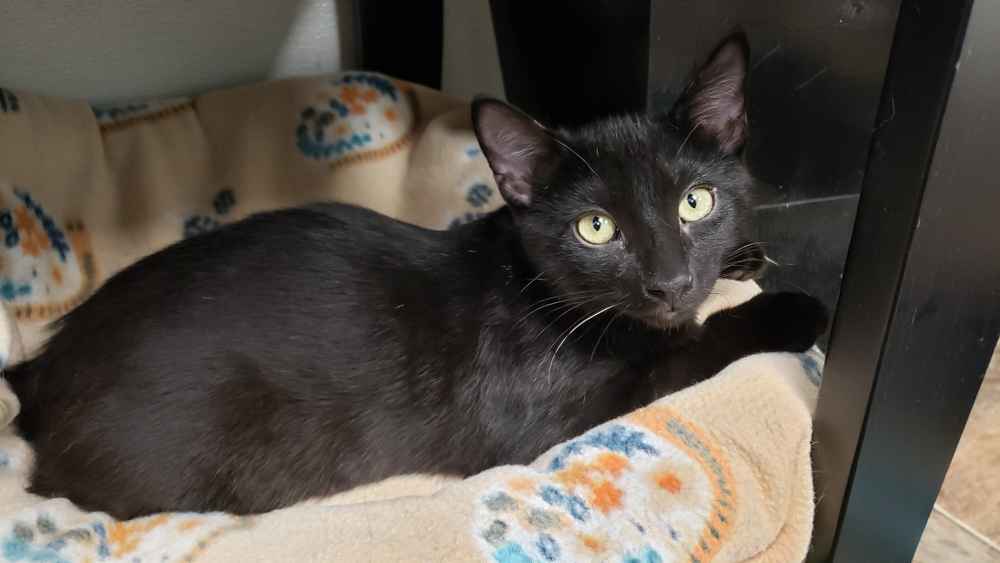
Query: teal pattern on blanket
{"type": "Point", "coordinates": [480, 197]}
{"type": "Point", "coordinates": [113, 113]}
{"type": "Point", "coordinates": [222, 204]}
{"type": "Point", "coordinates": [42, 541]}
{"type": "Point", "coordinates": [38, 535]}
{"type": "Point", "coordinates": [361, 116]}
{"type": "Point", "coordinates": [812, 362]}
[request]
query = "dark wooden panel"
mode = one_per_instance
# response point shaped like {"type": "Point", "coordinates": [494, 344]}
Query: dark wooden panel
{"type": "Point", "coordinates": [919, 310]}
{"type": "Point", "coordinates": [567, 62]}
{"type": "Point", "coordinates": [401, 38]}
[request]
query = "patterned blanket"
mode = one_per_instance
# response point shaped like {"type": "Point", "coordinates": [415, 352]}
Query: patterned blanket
{"type": "Point", "coordinates": [718, 472]}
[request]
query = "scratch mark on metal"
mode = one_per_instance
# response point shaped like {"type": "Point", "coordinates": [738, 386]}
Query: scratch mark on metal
{"type": "Point", "coordinates": [814, 77]}
{"type": "Point", "coordinates": [764, 58]}
{"type": "Point", "coordinates": [891, 117]}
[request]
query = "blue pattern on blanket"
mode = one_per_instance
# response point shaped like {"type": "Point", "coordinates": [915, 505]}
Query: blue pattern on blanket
{"type": "Point", "coordinates": [812, 362]}
{"type": "Point", "coordinates": [222, 204]}
{"type": "Point", "coordinates": [478, 195]}
{"type": "Point", "coordinates": [647, 488]}
{"type": "Point", "coordinates": [34, 535]}
{"type": "Point", "coordinates": [57, 240]}
{"type": "Point", "coordinates": [361, 116]}
{"type": "Point", "coordinates": [114, 113]}
{"type": "Point", "coordinates": [46, 263]}
{"type": "Point", "coordinates": [43, 542]}
{"type": "Point", "coordinates": [615, 438]}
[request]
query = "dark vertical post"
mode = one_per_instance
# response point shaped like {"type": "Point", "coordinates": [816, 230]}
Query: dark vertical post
{"type": "Point", "coordinates": [401, 38]}
{"type": "Point", "coordinates": [919, 309]}
{"type": "Point", "coordinates": [567, 62]}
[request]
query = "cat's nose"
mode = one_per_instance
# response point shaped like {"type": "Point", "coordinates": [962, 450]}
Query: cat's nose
{"type": "Point", "coordinates": [670, 291]}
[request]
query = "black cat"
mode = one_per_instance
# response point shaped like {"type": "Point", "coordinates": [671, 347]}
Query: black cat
{"type": "Point", "coordinates": [306, 351]}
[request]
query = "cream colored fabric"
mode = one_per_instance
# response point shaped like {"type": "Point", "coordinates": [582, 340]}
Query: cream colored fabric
{"type": "Point", "coordinates": [718, 472]}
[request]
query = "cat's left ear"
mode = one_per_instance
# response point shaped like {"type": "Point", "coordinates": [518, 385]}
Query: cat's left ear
{"type": "Point", "coordinates": [714, 106]}
{"type": "Point", "coordinates": [515, 145]}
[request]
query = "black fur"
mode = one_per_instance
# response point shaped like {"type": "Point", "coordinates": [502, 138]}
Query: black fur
{"type": "Point", "coordinates": [302, 352]}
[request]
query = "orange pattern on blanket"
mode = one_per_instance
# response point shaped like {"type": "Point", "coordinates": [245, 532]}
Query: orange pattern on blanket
{"type": "Point", "coordinates": [668, 481]}
{"type": "Point", "coordinates": [593, 477]}
{"type": "Point", "coordinates": [47, 264]}
{"type": "Point", "coordinates": [667, 424]}
{"type": "Point", "coordinates": [592, 543]}
{"type": "Point", "coordinates": [655, 482]}
{"type": "Point", "coordinates": [522, 484]}
{"type": "Point", "coordinates": [124, 537]}
{"type": "Point", "coordinates": [361, 117]}
{"type": "Point", "coordinates": [44, 536]}
{"type": "Point", "coordinates": [33, 240]}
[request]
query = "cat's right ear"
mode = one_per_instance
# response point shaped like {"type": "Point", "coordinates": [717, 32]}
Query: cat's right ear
{"type": "Point", "coordinates": [514, 144]}
{"type": "Point", "coordinates": [714, 106]}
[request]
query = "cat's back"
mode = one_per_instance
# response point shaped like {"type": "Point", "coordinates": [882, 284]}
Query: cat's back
{"type": "Point", "coordinates": [284, 291]}
{"type": "Point", "coordinates": [266, 329]}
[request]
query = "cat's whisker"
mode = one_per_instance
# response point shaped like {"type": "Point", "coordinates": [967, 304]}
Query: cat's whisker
{"type": "Point", "coordinates": [567, 296]}
{"type": "Point", "coordinates": [570, 309]}
{"type": "Point", "coordinates": [798, 287]}
{"type": "Point", "coordinates": [744, 247]}
{"type": "Point", "coordinates": [603, 332]}
{"type": "Point", "coordinates": [560, 301]}
{"type": "Point", "coordinates": [570, 333]}
{"type": "Point", "coordinates": [533, 280]}
{"type": "Point", "coordinates": [564, 295]}
{"type": "Point", "coordinates": [570, 149]}
{"type": "Point", "coordinates": [738, 263]}
{"type": "Point", "coordinates": [557, 304]}
{"type": "Point", "coordinates": [693, 129]}
{"type": "Point", "coordinates": [566, 312]}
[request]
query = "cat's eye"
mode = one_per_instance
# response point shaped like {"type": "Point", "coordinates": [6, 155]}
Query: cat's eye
{"type": "Point", "coordinates": [696, 204]}
{"type": "Point", "coordinates": [596, 228]}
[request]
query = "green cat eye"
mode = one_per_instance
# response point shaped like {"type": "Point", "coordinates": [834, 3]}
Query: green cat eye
{"type": "Point", "coordinates": [696, 204]}
{"type": "Point", "coordinates": [596, 228]}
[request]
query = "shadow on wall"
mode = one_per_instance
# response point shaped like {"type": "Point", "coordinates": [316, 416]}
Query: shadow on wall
{"type": "Point", "coordinates": [108, 51]}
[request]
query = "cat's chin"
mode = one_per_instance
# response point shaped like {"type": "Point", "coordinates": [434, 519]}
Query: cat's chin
{"type": "Point", "coordinates": [659, 318]}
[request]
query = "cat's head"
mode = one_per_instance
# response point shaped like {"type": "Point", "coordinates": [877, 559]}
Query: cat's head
{"type": "Point", "coordinates": [635, 214]}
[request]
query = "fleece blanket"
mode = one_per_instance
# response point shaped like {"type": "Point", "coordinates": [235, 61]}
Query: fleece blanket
{"type": "Point", "coordinates": [718, 472]}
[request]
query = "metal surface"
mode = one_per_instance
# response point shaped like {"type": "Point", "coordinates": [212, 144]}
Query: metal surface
{"type": "Point", "coordinates": [919, 309]}
{"type": "Point", "coordinates": [567, 62]}
{"type": "Point", "coordinates": [813, 91]}
{"type": "Point", "coordinates": [401, 38]}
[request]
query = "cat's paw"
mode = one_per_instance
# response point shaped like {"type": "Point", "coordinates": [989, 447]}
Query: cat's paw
{"type": "Point", "coordinates": [789, 322]}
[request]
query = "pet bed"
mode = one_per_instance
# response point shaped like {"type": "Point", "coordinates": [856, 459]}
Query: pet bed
{"type": "Point", "coordinates": [718, 472]}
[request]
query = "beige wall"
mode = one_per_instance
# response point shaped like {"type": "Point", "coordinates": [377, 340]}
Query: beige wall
{"type": "Point", "coordinates": [125, 50]}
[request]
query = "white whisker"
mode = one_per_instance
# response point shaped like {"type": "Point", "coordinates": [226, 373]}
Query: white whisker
{"type": "Point", "coordinates": [570, 333]}
{"type": "Point", "coordinates": [570, 149]}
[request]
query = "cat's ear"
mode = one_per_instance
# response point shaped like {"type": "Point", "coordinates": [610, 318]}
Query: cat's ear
{"type": "Point", "coordinates": [515, 145]}
{"type": "Point", "coordinates": [714, 106]}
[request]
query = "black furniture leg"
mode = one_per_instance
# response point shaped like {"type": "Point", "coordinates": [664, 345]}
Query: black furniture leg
{"type": "Point", "coordinates": [919, 310]}
{"type": "Point", "coordinates": [568, 62]}
{"type": "Point", "coordinates": [401, 38]}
